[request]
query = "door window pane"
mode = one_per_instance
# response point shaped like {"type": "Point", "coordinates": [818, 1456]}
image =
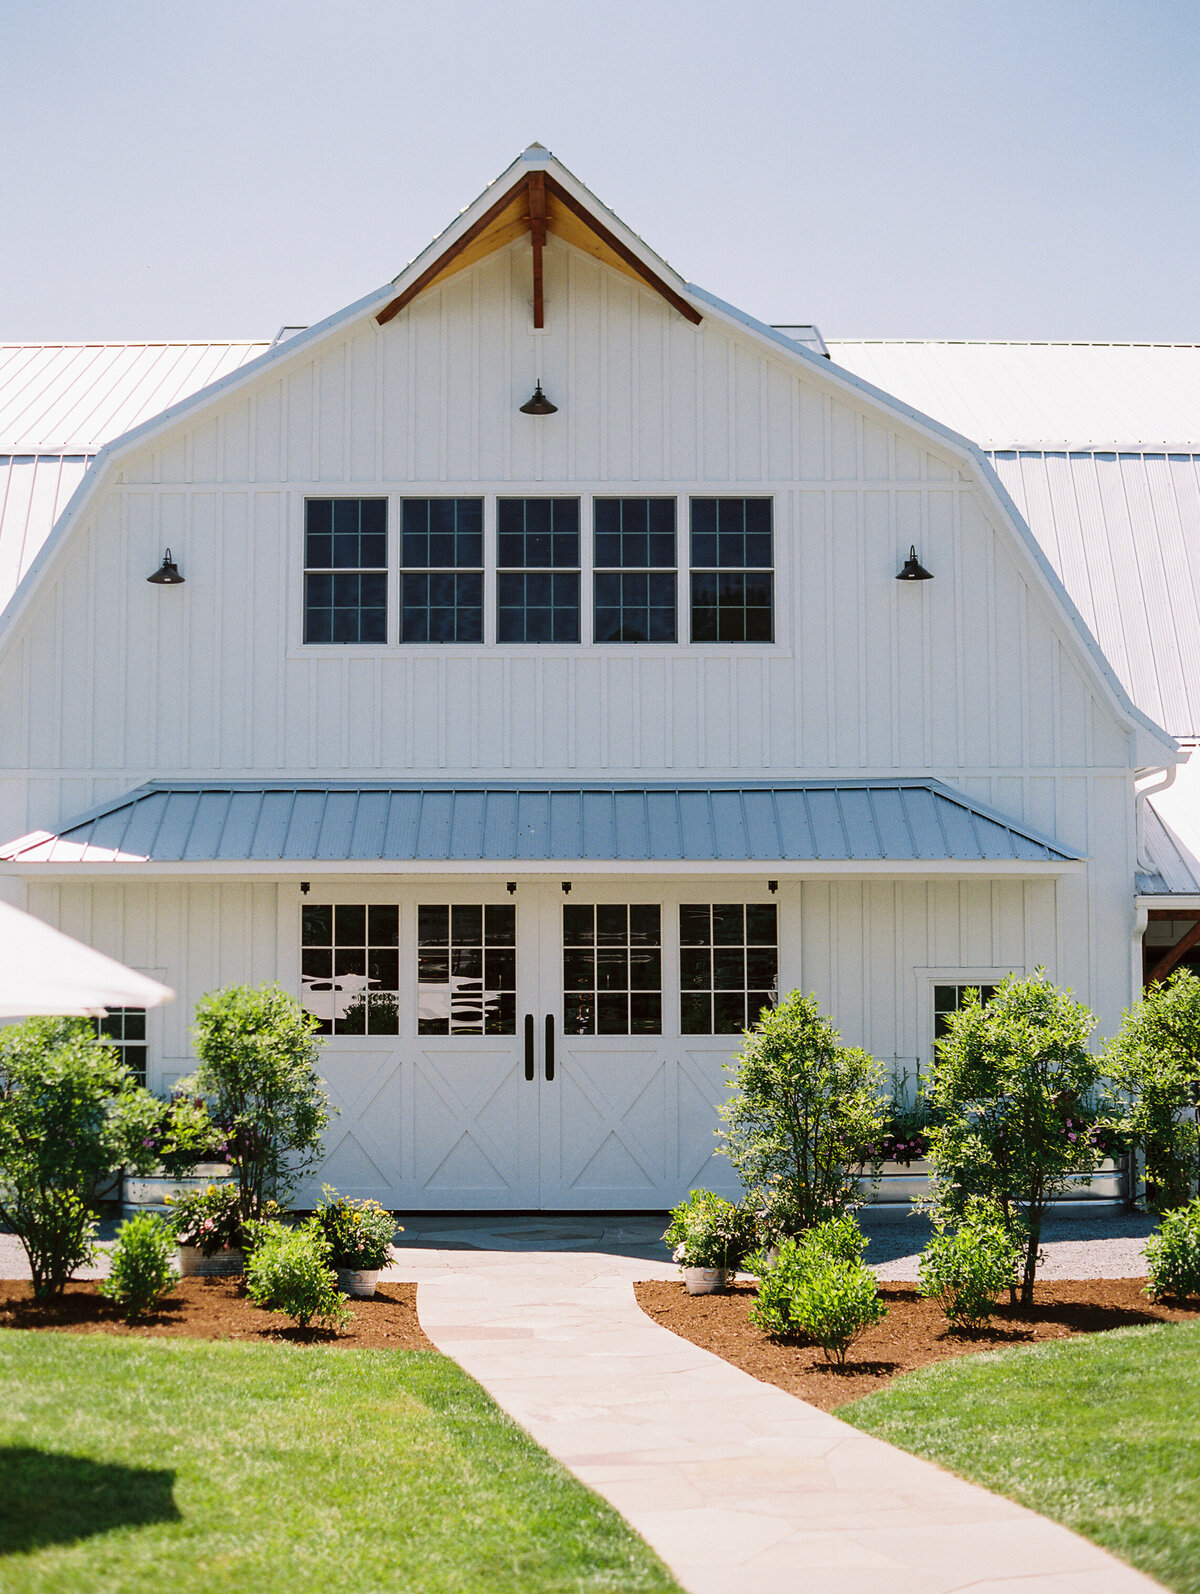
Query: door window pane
{"type": "Point", "coordinates": [728, 965]}
{"type": "Point", "coordinates": [732, 570]}
{"type": "Point", "coordinates": [350, 967]}
{"type": "Point", "coordinates": [345, 570]}
{"type": "Point", "coordinates": [612, 969]}
{"type": "Point", "coordinates": [537, 582]}
{"type": "Point", "coordinates": [441, 578]}
{"type": "Point", "coordinates": [467, 970]}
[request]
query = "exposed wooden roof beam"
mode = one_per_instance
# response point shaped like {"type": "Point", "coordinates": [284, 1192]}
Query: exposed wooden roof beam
{"type": "Point", "coordinates": [537, 234]}
{"type": "Point", "coordinates": [503, 220]}
{"type": "Point", "coordinates": [1175, 954]}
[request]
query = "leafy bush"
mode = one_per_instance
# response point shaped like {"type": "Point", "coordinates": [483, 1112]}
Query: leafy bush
{"type": "Point", "coordinates": [782, 1276]}
{"type": "Point", "coordinates": [289, 1271]}
{"type": "Point", "coordinates": [184, 1134]}
{"type": "Point", "coordinates": [258, 1070]}
{"type": "Point", "coordinates": [71, 1115]}
{"type": "Point", "coordinates": [209, 1219]}
{"type": "Point", "coordinates": [966, 1268]}
{"type": "Point", "coordinates": [707, 1231]}
{"type": "Point", "coordinates": [834, 1302]}
{"type": "Point", "coordinates": [141, 1265]}
{"type": "Point", "coordinates": [360, 1233]}
{"type": "Point", "coordinates": [1154, 1061]}
{"type": "Point", "coordinates": [800, 1105]}
{"type": "Point", "coordinates": [1173, 1254]}
{"type": "Point", "coordinates": [1011, 1082]}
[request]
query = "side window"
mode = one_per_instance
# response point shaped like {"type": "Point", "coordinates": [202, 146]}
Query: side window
{"type": "Point", "coordinates": [634, 558]}
{"type": "Point", "coordinates": [349, 967]}
{"type": "Point", "coordinates": [537, 580]}
{"type": "Point", "coordinates": [467, 970]}
{"type": "Point", "coordinates": [728, 965]}
{"type": "Point", "coordinates": [345, 570]}
{"type": "Point", "coordinates": [126, 1028]}
{"type": "Point", "coordinates": [733, 570]}
{"type": "Point", "coordinates": [948, 999]}
{"type": "Point", "coordinates": [612, 969]}
{"type": "Point", "coordinates": [441, 577]}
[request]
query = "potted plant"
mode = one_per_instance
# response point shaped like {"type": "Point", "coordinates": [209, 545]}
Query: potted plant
{"type": "Point", "coordinates": [208, 1231]}
{"type": "Point", "coordinates": [189, 1151]}
{"type": "Point", "coordinates": [360, 1234]}
{"type": "Point", "coordinates": [709, 1237]}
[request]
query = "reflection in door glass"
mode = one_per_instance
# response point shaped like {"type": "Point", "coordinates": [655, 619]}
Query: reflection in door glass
{"type": "Point", "coordinates": [349, 971]}
{"type": "Point", "coordinates": [728, 965]}
{"type": "Point", "coordinates": [467, 970]}
{"type": "Point", "coordinates": [612, 969]}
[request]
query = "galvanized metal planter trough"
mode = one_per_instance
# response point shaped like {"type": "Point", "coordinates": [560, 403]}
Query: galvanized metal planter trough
{"type": "Point", "coordinates": [901, 1186]}
{"type": "Point", "coordinates": [148, 1192]}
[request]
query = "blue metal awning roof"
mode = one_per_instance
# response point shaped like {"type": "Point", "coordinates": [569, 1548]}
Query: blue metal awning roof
{"type": "Point", "coordinates": [824, 821]}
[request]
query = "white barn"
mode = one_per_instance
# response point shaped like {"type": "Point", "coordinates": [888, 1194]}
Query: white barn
{"type": "Point", "coordinates": [535, 745]}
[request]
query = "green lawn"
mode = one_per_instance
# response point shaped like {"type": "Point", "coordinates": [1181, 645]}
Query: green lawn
{"type": "Point", "coordinates": [1100, 1433]}
{"type": "Point", "coordinates": [131, 1465]}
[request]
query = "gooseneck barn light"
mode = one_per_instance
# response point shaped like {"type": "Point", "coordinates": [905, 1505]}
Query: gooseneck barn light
{"type": "Point", "coordinates": [913, 569]}
{"type": "Point", "coordinates": [539, 404]}
{"type": "Point", "coordinates": [167, 574]}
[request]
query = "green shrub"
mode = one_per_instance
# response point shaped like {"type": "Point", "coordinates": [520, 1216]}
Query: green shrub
{"type": "Point", "coordinates": [360, 1233]}
{"type": "Point", "coordinates": [967, 1268]}
{"type": "Point", "coordinates": [1154, 1061]}
{"type": "Point", "coordinates": [800, 1106]}
{"type": "Point", "coordinates": [257, 1070]}
{"type": "Point", "coordinates": [833, 1302]}
{"type": "Point", "coordinates": [289, 1271]}
{"type": "Point", "coordinates": [71, 1115]}
{"type": "Point", "coordinates": [1173, 1254]}
{"type": "Point", "coordinates": [707, 1231]}
{"type": "Point", "coordinates": [141, 1265]}
{"type": "Point", "coordinates": [1011, 1084]}
{"type": "Point", "coordinates": [784, 1303]}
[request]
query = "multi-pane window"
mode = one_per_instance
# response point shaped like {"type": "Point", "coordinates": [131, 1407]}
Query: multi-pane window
{"type": "Point", "coordinates": [345, 570]}
{"type": "Point", "coordinates": [634, 570]}
{"type": "Point", "coordinates": [948, 999]}
{"type": "Point", "coordinates": [125, 1027]}
{"type": "Point", "coordinates": [441, 582]}
{"type": "Point", "coordinates": [349, 969]}
{"type": "Point", "coordinates": [728, 965]}
{"type": "Point", "coordinates": [537, 580]}
{"type": "Point", "coordinates": [467, 970]}
{"type": "Point", "coordinates": [732, 570]}
{"type": "Point", "coordinates": [612, 969]}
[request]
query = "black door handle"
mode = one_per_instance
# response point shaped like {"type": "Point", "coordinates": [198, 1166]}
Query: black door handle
{"type": "Point", "coordinates": [549, 1045]}
{"type": "Point", "coordinates": [529, 1046]}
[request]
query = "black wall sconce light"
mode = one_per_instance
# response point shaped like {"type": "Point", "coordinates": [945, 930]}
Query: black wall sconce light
{"type": "Point", "coordinates": [304, 888]}
{"type": "Point", "coordinates": [512, 888]}
{"type": "Point", "coordinates": [772, 886]}
{"type": "Point", "coordinates": [566, 885]}
{"type": "Point", "coordinates": [913, 569]}
{"type": "Point", "coordinates": [539, 404]}
{"type": "Point", "coordinates": [167, 574]}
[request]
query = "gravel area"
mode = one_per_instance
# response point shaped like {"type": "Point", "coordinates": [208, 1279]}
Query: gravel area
{"type": "Point", "coordinates": [1102, 1245]}
{"type": "Point", "coordinates": [1082, 1245]}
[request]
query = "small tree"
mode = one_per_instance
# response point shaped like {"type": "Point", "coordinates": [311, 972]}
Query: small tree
{"type": "Point", "coordinates": [801, 1107]}
{"type": "Point", "coordinates": [258, 1055]}
{"type": "Point", "coordinates": [1154, 1061]}
{"type": "Point", "coordinates": [71, 1114]}
{"type": "Point", "coordinates": [1013, 1080]}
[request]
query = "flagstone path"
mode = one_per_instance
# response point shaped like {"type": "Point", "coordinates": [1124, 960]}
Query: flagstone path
{"type": "Point", "coordinates": [741, 1488]}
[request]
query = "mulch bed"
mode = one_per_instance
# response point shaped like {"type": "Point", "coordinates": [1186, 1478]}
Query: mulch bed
{"type": "Point", "coordinates": [913, 1333]}
{"type": "Point", "coordinates": [217, 1308]}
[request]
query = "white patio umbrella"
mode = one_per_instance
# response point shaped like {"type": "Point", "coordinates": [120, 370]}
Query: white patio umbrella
{"type": "Point", "coordinates": [44, 971]}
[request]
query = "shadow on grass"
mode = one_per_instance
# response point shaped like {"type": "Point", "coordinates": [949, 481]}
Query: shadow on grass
{"type": "Point", "coordinates": [49, 1498]}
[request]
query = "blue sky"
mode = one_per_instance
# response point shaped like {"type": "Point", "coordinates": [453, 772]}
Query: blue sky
{"type": "Point", "coordinates": [903, 168]}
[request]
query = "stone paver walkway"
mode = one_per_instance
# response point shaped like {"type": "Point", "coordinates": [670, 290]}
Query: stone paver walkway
{"type": "Point", "coordinates": [741, 1488]}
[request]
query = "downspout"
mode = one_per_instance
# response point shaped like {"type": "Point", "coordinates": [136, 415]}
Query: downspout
{"type": "Point", "coordinates": [1168, 773]}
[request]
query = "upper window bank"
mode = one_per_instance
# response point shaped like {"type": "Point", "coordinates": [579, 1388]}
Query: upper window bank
{"type": "Point", "coordinates": [546, 581]}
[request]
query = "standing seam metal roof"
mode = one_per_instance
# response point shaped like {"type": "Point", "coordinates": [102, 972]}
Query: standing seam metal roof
{"type": "Point", "coordinates": [811, 821]}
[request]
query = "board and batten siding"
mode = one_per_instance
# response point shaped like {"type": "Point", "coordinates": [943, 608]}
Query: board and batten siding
{"type": "Point", "coordinates": [868, 949]}
{"type": "Point", "coordinates": [974, 677]}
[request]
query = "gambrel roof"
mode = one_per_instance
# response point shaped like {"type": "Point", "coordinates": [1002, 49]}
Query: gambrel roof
{"type": "Point", "coordinates": [510, 203]}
